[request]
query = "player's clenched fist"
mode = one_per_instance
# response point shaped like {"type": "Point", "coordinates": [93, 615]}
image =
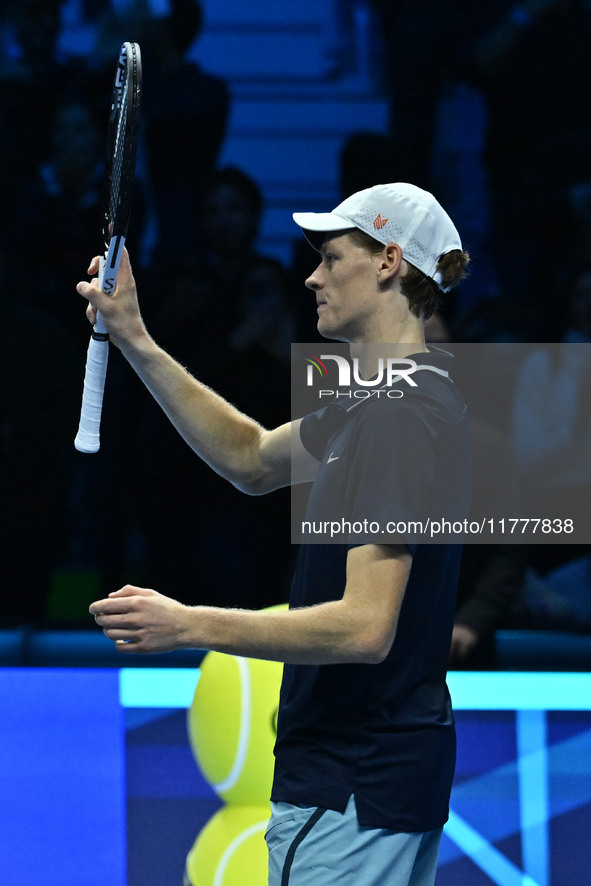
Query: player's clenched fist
{"type": "Point", "coordinates": [142, 620]}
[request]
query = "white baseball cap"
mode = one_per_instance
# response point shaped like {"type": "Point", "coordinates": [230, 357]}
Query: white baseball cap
{"type": "Point", "coordinates": [395, 213]}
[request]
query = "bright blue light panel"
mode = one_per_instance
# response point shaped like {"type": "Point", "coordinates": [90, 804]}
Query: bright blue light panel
{"type": "Point", "coordinates": [470, 691]}
{"type": "Point", "coordinates": [62, 786]}
{"type": "Point", "coordinates": [157, 687]}
{"type": "Point", "coordinates": [508, 691]}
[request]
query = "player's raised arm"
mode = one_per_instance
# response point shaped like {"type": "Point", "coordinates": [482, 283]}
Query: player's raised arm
{"type": "Point", "coordinates": [237, 447]}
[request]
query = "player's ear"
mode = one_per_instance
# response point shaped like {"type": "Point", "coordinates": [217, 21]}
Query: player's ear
{"type": "Point", "coordinates": [390, 261]}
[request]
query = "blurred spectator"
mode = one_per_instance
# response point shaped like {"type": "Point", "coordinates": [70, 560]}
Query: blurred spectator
{"type": "Point", "coordinates": [490, 587]}
{"type": "Point", "coordinates": [232, 208]}
{"type": "Point", "coordinates": [185, 117]}
{"type": "Point", "coordinates": [29, 82]}
{"type": "Point", "coordinates": [552, 429]}
{"type": "Point", "coordinates": [413, 32]}
{"type": "Point", "coordinates": [229, 213]}
{"type": "Point", "coordinates": [438, 120]}
{"type": "Point", "coordinates": [57, 216]}
{"type": "Point", "coordinates": [460, 179]}
{"type": "Point", "coordinates": [552, 443]}
{"type": "Point", "coordinates": [492, 575]}
{"type": "Point", "coordinates": [266, 323]}
{"type": "Point", "coordinates": [536, 72]}
{"type": "Point", "coordinates": [516, 180]}
{"type": "Point", "coordinates": [497, 319]}
{"type": "Point", "coordinates": [28, 29]}
{"type": "Point", "coordinates": [365, 159]}
{"type": "Point", "coordinates": [560, 598]}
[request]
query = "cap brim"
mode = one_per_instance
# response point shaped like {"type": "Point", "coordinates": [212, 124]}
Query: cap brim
{"type": "Point", "coordinates": [322, 221]}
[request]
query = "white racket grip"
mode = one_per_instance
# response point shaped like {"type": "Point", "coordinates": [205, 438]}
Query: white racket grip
{"type": "Point", "coordinates": [88, 436]}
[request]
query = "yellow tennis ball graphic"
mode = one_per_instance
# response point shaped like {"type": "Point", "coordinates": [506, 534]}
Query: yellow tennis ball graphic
{"type": "Point", "coordinates": [232, 725]}
{"type": "Point", "coordinates": [231, 849]}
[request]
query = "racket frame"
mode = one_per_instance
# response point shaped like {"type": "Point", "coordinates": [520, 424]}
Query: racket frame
{"type": "Point", "coordinates": [121, 159]}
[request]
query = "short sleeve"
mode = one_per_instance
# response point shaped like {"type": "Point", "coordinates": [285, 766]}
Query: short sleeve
{"type": "Point", "coordinates": [319, 428]}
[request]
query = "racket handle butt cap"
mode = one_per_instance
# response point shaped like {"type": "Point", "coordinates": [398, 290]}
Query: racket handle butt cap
{"type": "Point", "coordinates": [87, 443]}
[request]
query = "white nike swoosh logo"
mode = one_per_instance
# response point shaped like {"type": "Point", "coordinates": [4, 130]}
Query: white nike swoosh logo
{"type": "Point", "coordinates": [332, 457]}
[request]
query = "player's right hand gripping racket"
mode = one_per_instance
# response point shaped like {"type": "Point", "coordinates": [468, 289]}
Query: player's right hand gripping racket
{"type": "Point", "coordinates": [121, 154]}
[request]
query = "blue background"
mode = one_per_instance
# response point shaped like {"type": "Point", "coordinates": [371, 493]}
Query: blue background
{"type": "Point", "coordinates": [96, 788]}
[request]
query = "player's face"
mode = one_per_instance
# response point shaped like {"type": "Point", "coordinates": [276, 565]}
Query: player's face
{"type": "Point", "coordinates": [345, 283]}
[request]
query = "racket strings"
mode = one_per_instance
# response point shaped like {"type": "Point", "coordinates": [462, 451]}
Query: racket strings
{"type": "Point", "coordinates": [118, 155]}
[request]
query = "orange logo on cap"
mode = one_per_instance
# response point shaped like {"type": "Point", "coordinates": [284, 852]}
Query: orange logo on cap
{"type": "Point", "coordinates": [379, 222]}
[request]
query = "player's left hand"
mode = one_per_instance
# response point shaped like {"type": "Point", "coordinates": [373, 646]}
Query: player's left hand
{"type": "Point", "coordinates": [142, 620]}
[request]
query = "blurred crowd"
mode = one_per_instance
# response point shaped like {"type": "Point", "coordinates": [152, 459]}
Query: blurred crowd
{"type": "Point", "coordinates": [490, 110]}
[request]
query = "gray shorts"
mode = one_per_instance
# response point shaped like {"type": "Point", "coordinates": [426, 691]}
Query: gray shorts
{"type": "Point", "coordinates": [322, 847]}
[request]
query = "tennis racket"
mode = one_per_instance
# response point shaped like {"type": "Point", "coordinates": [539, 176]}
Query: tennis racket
{"type": "Point", "coordinates": [121, 154]}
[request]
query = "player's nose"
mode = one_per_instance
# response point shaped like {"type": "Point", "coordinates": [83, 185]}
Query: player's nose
{"type": "Point", "coordinates": [314, 281]}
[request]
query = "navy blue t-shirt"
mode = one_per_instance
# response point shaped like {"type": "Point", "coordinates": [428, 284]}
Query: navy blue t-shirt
{"type": "Point", "coordinates": [385, 732]}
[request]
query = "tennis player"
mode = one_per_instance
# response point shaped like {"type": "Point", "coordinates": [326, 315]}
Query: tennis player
{"type": "Point", "coordinates": [365, 749]}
